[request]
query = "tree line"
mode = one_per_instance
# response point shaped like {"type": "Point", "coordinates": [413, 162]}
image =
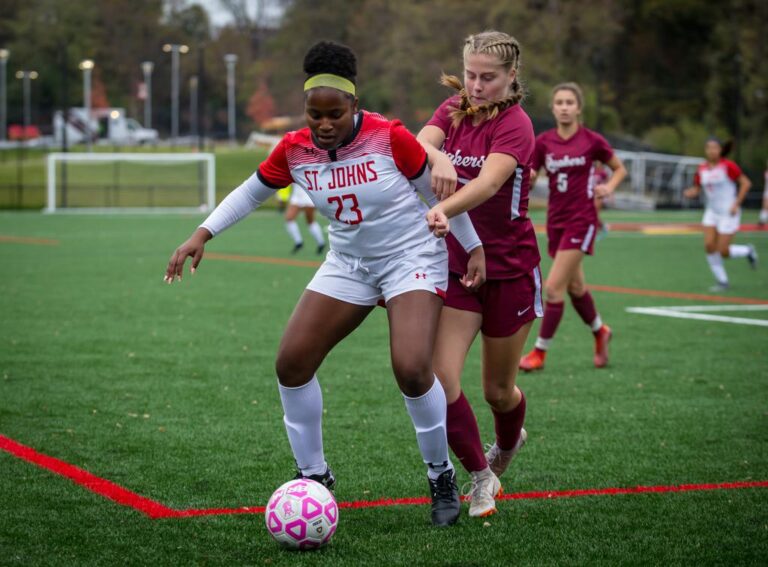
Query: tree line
{"type": "Point", "coordinates": [658, 74]}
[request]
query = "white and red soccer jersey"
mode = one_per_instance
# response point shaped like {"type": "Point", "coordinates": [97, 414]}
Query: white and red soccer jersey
{"type": "Point", "coordinates": [362, 187]}
{"type": "Point", "coordinates": [570, 168]}
{"type": "Point", "coordinates": [719, 184]}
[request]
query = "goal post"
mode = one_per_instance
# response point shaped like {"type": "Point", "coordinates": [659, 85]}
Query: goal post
{"type": "Point", "coordinates": [130, 182]}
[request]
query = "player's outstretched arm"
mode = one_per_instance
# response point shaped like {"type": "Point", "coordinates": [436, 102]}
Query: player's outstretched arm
{"type": "Point", "coordinates": [495, 171]}
{"type": "Point", "coordinates": [193, 248]}
{"type": "Point", "coordinates": [236, 206]}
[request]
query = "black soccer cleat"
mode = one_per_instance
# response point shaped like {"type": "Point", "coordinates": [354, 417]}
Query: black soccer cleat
{"type": "Point", "coordinates": [446, 505]}
{"type": "Point", "coordinates": [752, 257]}
{"type": "Point", "coordinates": [320, 248]}
{"type": "Point", "coordinates": [326, 479]}
{"type": "Point", "coordinates": [297, 247]}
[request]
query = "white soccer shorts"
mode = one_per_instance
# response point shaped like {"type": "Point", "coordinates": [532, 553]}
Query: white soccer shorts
{"type": "Point", "coordinates": [300, 198]}
{"type": "Point", "coordinates": [367, 281]}
{"type": "Point", "coordinates": [724, 223]}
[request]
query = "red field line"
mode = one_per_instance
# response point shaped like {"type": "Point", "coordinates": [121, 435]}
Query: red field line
{"type": "Point", "coordinates": [678, 295]}
{"type": "Point", "coordinates": [28, 240]}
{"type": "Point", "coordinates": [156, 510]}
{"type": "Point", "coordinates": [603, 288]}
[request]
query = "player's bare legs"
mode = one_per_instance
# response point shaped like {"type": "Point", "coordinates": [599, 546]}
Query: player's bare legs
{"type": "Point", "coordinates": [413, 318]}
{"type": "Point", "coordinates": [317, 324]}
{"type": "Point", "coordinates": [567, 275]}
{"type": "Point", "coordinates": [455, 334]}
{"type": "Point", "coordinates": [712, 247]}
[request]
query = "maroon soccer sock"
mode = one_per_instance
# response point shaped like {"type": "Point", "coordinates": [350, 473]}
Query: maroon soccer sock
{"type": "Point", "coordinates": [585, 307]}
{"type": "Point", "coordinates": [464, 436]}
{"type": "Point", "coordinates": [553, 313]}
{"type": "Point", "coordinates": [509, 425]}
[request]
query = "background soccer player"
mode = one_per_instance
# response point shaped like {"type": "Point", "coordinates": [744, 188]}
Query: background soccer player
{"type": "Point", "coordinates": [360, 171]}
{"type": "Point", "coordinates": [722, 217]}
{"type": "Point", "coordinates": [300, 201]}
{"type": "Point", "coordinates": [487, 140]}
{"type": "Point", "coordinates": [568, 153]}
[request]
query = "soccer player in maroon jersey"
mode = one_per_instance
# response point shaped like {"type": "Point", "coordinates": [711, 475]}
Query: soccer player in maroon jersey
{"type": "Point", "coordinates": [365, 174]}
{"type": "Point", "coordinates": [487, 140]}
{"type": "Point", "coordinates": [568, 154]}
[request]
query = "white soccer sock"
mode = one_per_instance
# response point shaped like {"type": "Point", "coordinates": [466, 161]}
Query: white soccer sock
{"type": "Point", "coordinates": [542, 344]}
{"type": "Point", "coordinates": [738, 250]}
{"type": "Point", "coordinates": [317, 233]}
{"type": "Point", "coordinates": [303, 408]}
{"type": "Point", "coordinates": [293, 230]}
{"type": "Point", "coordinates": [428, 413]}
{"type": "Point", "coordinates": [597, 324]}
{"type": "Point", "coordinates": [716, 265]}
{"type": "Point", "coordinates": [764, 216]}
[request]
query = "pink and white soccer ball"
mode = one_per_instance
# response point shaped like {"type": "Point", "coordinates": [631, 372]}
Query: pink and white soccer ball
{"type": "Point", "coordinates": [302, 514]}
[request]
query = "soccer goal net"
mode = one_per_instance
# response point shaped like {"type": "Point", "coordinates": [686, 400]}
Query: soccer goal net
{"type": "Point", "coordinates": [658, 178]}
{"type": "Point", "coordinates": [130, 182]}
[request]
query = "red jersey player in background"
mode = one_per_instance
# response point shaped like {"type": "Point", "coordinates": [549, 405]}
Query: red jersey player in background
{"type": "Point", "coordinates": [363, 173]}
{"type": "Point", "coordinates": [568, 154]}
{"type": "Point", "coordinates": [486, 140]}
{"type": "Point", "coordinates": [722, 216]}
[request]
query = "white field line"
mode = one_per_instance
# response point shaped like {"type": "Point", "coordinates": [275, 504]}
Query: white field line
{"type": "Point", "coordinates": [690, 312]}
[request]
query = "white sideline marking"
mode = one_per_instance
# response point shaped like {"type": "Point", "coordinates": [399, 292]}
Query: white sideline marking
{"type": "Point", "coordinates": [697, 312]}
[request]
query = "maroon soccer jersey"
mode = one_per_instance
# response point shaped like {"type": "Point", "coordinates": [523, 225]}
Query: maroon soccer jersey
{"type": "Point", "coordinates": [569, 165]}
{"type": "Point", "coordinates": [502, 221]}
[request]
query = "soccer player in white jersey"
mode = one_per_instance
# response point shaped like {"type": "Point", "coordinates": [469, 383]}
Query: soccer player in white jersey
{"type": "Point", "coordinates": [300, 201]}
{"type": "Point", "coordinates": [725, 187]}
{"type": "Point", "coordinates": [365, 174]}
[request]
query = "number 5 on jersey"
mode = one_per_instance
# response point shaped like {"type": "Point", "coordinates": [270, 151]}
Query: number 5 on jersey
{"type": "Point", "coordinates": [562, 182]}
{"type": "Point", "coordinates": [354, 207]}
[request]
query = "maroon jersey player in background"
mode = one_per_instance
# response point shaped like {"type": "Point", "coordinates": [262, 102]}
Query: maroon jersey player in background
{"type": "Point", "coordinates": [487, 140]}
{"type": "Point", "coordinates": [568, 154]}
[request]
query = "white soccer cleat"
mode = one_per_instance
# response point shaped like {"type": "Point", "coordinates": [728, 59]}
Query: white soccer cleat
{"type": "Point", "coordinates": [486, 487]}
{"type": "Point", "coordinates": [499, 459]}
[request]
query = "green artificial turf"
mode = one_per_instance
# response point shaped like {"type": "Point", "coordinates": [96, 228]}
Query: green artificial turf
{"type": "Point", "coordinates": [169, 391]}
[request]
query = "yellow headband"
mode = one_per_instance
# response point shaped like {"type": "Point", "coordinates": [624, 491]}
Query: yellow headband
{"type": "Point", "coordinates": [328, 80]}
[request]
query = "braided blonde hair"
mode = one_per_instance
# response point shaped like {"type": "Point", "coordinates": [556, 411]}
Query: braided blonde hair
{"type": "Point", "coordinates": [507, 50]}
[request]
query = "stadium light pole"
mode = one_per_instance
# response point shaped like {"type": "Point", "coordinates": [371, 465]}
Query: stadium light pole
{"type": "Point", "coordinates": [174, 49]}
{"type": "Point", "coordinates": [231, 59]}
{"type": "Point", "coordinates": [86, 66]}
{"type": "Point", "coordinates": [193, 85]}
{"type": "Point", "coordinates": [147, 67]}
{"type": "Point", "coordinates": [4, 54]}
{"type": "Point", "coordinates": [27, 76]}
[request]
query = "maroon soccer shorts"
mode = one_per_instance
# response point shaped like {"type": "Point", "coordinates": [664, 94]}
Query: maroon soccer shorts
{"type": "Point", "coordinates": [506, 305]}
{"type": "Point", "coordinates": [578, 236]}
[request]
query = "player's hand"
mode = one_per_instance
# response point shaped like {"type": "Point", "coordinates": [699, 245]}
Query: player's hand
{"type": "Point", "coordinates": [691, 193]}
{"type": "Point", "coordinates": [444, 177]}
{"type": "Point", "coordinates": [438, 222]}
{"type": "Point", "coordinates": [735, 208]}
{"type": "Point", "coordinates": [602, 190]}
{"type": "Point", "coordinates": [475, 276]}
{"type": "Point", "coordinates": [194, 248]}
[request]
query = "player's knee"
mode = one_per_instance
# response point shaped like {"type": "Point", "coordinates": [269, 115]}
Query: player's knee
{"type": "Point", "coordinates": [553, 293]}
{"type": "Point", "coordinates": [576, 290]}
{"type": "Point", "coordinates": [292, 371]}
{"type": "Point", "coordinates": [413, 376]}
{"type": "Point", "coordinates": [724, 251]}
{"type": "Point", "coordinates": [500, 396]}
{"type": "Point", "coordinates": [710, 247]}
